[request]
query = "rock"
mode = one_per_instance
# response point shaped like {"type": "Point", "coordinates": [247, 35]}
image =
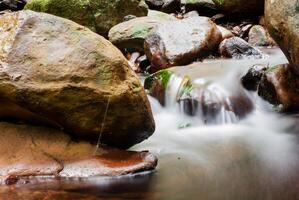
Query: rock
{"type": "Point", "coordinates": [98, 15]}
{"type": "Point", "coordinates": [156, 84]}
{"type": "Point", "coordinates": [194, 38]}
{"type": "Point", "coordinates": [191, 14]}
{"type": "Point", "coordinates": [238, 48]}
{"type": "Point", "coordinates": [258, 36]}
{"type": "Point", "coordinates": [240, 6]}
{"type": "Point", "coordinates": [201, 6]}
{"type": "Point", "coordinates": [130, 35]}
{"type": "Point", "coordinates": [12, 4]}
{"type": "Point", "coordinates": [225, 32]}
{"type": "Point", "coordinates": [279, 86]}
{"type": "Point", "coordinates": [155, 4]}
{"type": "Point", "coordinates": [253, 77]}
{"type": "Point", "coordinates": [57, 72]}
{"type": "Point", "coordinates": [171, 6]}
{"type": "Point", "coordinates": [282, 19]}
{"type": "Point", "coordinates": [208, 101]}
{"type": "Point", "coordinates": [39, 151]}
{"type": "Point", "coordinates": [129, 17]}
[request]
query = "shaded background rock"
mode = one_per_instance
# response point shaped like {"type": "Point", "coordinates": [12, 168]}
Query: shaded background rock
{"type": "Point", "coordinates": [12, 4]}
{"type": "Point", "coordinates": [56, 71]}
{"type": "Point", "coordinates": [240, 6]}
{"type": "Point", "coordinates": [98, 15]}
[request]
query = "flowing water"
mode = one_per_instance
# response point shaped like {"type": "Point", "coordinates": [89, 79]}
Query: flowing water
{"type": "Point", "coordinates": [225, 157]}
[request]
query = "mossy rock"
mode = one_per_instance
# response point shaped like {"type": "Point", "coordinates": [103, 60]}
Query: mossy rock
{"type": "Point", "coordinates": [98, 15]}
{"type": "Point", "coordinates": [57, 72]}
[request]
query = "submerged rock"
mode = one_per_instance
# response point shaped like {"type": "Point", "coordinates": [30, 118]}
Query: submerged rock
{"type": "Point", "coordinates": [282, 19]}
{"type": "Point", "coordinates": [98, 15]}
{"type": "Point", "coordinates": [238, 48]}
{"type": "Point", "coordinates": [240, 6]}
{"type": "Point", "coordinates": [194, 37]}
{"type": "Point", "coordinates": [39, 151]}
{"type": "Point", "coordinates": [130, 35]}
{"type": "Point", "coordinates": [57, 72]}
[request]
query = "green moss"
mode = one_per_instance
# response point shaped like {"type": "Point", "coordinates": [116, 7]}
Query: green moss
{"type": "Point", "coordinates": [141, 31]}
{"type": "Point", "coordinates": [162, 76]}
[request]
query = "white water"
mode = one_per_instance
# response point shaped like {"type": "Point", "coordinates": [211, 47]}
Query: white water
{"type": "Point", "coordinates": [248, 159]}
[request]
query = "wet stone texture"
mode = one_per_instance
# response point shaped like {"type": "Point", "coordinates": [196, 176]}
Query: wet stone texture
{"type": "Point", "coordinates": [38, 151]}
{"type": "Point", "coordinates": [56, 72]}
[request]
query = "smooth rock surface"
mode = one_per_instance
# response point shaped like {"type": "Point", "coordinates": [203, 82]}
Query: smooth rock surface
{"type": "Point", "coordinates": [282, 19]}
{"type": "Point", "coordinates": [258, 36]}
{"type": "Point", "coordinates": [279, 86]}
{"type": "Point", "coordinates": [98, 15]}
{"type": "Point", "coordinates": [38, 151]}
{"type": "Point", "coordinates": [131, 34]}
{"type": "Point", "coordinates": [194, 37]}
{"type": "Point", "coordinates": [57, 72]}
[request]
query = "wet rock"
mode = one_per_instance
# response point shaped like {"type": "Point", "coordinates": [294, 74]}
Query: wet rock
{"type": "Point", "coordinates": [279, 86]}
{"type": "Point", "coordinates": [194, 38]}
{"type": "Point", "coordinates": [258, 36]}
{"type": "Point", "coordinates": [129, 17]}
{"type": "Point", "coordinates": [39, 151]}
{"type": "Point", "coordinates": [282, 19]}
{"type": "Point", "coordinates": [98, 15]}
{"type": "Point", "coordinates": [155, 4]}
{"type": "Point", "coordinates": [56, 72]}
{"type": "Point", "coordinates": [240, 6]}
{"type": "Point", "coordinates": [143, 62]}
{"type": "Point", "coordinates": [253, 77]}
{"type": "Point", "coordinates": [130, 35]}
{"type": "Point", "coordinates": [209, 101]}
{"type": "Point", "coordinates": [156, 84]}
{"type": "Point", "coordinates": [206, 7]}
{"type": "Point", "coordinates": [12, 4]}
{"type": "Point", "coordinates": [238, 48]}
{"type": "Point", "coordinates": [225, 32]}
{"type": "Point", "coordinates": [171, 6]}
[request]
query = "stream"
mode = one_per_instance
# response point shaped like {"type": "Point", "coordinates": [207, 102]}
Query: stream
{"type": "Point", "coordinates": [224, 157]}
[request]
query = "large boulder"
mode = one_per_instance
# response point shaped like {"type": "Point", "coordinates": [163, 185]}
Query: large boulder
{"type": "Point", "coordinates": [40, 151]}
{"type": "Point", "coordinates": [194, 38]}
{"type": "Point", "coordinates": [130, 35]}
{"type": "Point", "coordinates": [282, 19]}
{"type": "Point", "coordinates": [240, 6]}
{"type": "Point", "coordinates": [55, 71]}
{"type": "Point", "coordinates": [98, 15]}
